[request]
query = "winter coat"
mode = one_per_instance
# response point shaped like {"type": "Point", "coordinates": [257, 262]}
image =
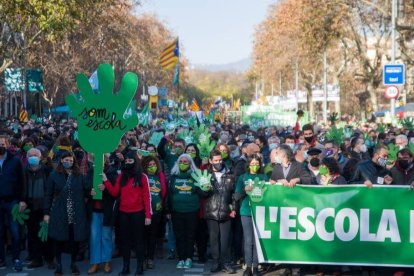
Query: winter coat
{"type": "Point", "coordinates": [219, 202]}
{"type": "Point", "coordinates": [56, 205]}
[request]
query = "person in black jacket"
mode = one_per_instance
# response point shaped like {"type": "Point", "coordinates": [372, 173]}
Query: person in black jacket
{"type": "Point", "coordinates": [11, 193]}
{"type": "Point", "coordinates": [373, 171]}
{"type": "Point", "coordinates": [36, 175]}
{"type": "Point", "coordinates": [287, 170]}
{"type": "Point", "coordinates": [218, 211]}
{"type": "Point", "coordinates": [65, 208]}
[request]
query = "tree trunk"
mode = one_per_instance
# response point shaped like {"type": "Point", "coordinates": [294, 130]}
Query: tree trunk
{"type": "Point", "coordinates": [372, 95]}
{"type": "Point", "coordinates": [310, 103]}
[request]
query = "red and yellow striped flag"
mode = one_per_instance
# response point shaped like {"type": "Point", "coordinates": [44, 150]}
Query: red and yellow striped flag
{"type": "Point", "coordinates": [169, 57]}
{"type": "Point", "coordinates": [194, 106]}
{"type": "Point", "coordinates": [207, 108]}
{"type": "Point", "coordinates": [23, 115]}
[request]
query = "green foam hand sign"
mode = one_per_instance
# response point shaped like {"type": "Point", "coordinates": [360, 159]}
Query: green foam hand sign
{"type": "Point", "coordinates": [187, 136]}
{"type": "Point", "coordinates": [103, 117]}
{"type": "Point", "coordinates": [43, 232]}
{"type": "Point", "coordinates": [203, 179]}
{"type": "Point", "coordinates": [258, 189]}
{"type": "Point", "coordinates": [155, 138]}
{"type": "Point", "coordinates": [205, 147]}
{"type": "Point", "coordinates": [18, 216]}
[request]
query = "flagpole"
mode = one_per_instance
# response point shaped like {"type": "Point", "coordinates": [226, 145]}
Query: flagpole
{"type": "Point", "coordinates": [178, 82]}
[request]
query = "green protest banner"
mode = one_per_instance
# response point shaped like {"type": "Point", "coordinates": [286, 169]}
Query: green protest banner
{"type": "Point", "coordinates": [102, 117]}
{"type": "Point", "coordinates": [348, 225]}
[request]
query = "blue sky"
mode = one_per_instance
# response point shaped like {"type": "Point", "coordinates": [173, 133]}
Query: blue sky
{"type": "Point", "coordinates": [211, 31]}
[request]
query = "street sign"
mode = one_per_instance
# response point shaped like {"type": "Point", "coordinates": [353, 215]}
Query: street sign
{"type": "Point", "coordinates": [394, 74]}
{"type": "Point", "coordinates": [153, 90]}
{"type": "Point", "coordinates": [392, 92]}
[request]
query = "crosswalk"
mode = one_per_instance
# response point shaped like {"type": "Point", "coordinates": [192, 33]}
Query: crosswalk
{"type": "Point", "coordinates": [196, 270]}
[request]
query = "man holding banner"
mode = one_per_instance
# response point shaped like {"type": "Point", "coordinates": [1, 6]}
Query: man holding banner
{"type": "Point", "coordinates": [374, 171]}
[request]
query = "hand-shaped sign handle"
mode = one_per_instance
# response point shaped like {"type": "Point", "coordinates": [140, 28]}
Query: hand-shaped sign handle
{"type": "Point", "coordinates": [101, 116]}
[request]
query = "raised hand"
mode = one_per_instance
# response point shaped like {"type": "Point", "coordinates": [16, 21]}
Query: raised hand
{"type": "Point", "coordinates": [203, 180]}
{"type": "Point", "coordinates": [102, 116]}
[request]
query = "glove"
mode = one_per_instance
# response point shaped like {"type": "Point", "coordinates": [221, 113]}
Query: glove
{"type": "Point", "coordinates": [18, 216]}
{"type": "Point", "coordinates": [43, 232]}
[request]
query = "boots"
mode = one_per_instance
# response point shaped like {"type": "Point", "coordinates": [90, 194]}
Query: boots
{"type": "Point", "coordinates": [247, 271]}
{"type": "Point", "coordinates": [93, 269]}
{"type": "Point", "coordinates": [125, 268]}
{"type": "Point", "coordinates": [58, 271]}
{"type": "Point", "coordinates": [140, 268]}
{"type": "Point", "coordinates": [255, 271]}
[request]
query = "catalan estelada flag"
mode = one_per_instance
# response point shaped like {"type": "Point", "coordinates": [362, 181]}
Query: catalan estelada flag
{"type": "Point", "coordinates": [194, 106]}
{"type": "Point", "coordinates": [23, 115]}
{"type": "Point", "coordinates": [169, 57]}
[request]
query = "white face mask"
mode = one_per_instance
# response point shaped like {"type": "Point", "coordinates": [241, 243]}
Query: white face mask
{"type": "Point", "coordinates": [363, 148]}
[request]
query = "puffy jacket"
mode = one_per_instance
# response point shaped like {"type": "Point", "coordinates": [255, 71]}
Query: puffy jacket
{"type": "Point", "coordinates": [368, 170]}
{"type": "Point", "coordinates": [219, 202]}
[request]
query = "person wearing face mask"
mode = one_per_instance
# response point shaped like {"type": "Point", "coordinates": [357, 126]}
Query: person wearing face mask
{"type": "Point", "coordinates": [158, 189]}
{"type": "Point", "coordinates": [183, 204]}
{"type": "Point", "coordinates": [169, 151]}
{"type": "Point", "coordinates": [192, 150]}
{"type": "Point", "coordinates": [332, 150]}
{"type": "Point", "coordinates": [244, 183]}
{"type": "Point", "coordinates": [103, 219]}
{"type": "Point", "coordinates": [36, 175]}
{"type": "Point", "coordinates": [27, 144]}
{"type": "Point", "coordinates": [132, 188]}
{"type": "Point", "coordinates": [310, 139]}
{"type": "Point", "coordinates": [373, 171]}
{"type": "Point", "coordinates": [329, 171]}
{"type": "Point", "coordinates": [264, 148]}
{"type": "Point", "coordinates": [313, 165]}
{"type": "Point", "coordinates": [287, 170]}
{"type": "Point", "coordinates": [11, 193]}
{"type": "Point", "coordinates": [269, 167]}
{"type": "Point", "coordinates": [219, 209]}
{"type": "Point", "coordinates": [403, 170]}
{"type": "Point", "coordinates": [301, 153]}
{"type": "Point", "coordinates": [225, 155]}
{"type": "Point", "coordinates": [290, 141]}
{"type": "Point", "coordinates": [65, 208]}
{"type": "Point", "coordinates": [401, 141]}
{"type": "Point", "coordinates": [359, 149]}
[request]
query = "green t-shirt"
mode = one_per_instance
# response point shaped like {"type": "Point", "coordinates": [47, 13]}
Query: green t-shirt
{"type": "Point", "coordinates": [242, 181]}
{"type": "Point", "coordinates": [184, 195]}
{"type": "Point", "coordinates": [155, 190]}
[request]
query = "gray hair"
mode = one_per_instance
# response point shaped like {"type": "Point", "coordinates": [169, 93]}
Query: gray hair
{"type": "Point", "coordinates": [287, 150]}
{"type": "Point", "coordinates": [402, 137]}
{"type": "Point", "coordinates": [176, 170]}
{"type": "Point", "coordinates": [34, 152]}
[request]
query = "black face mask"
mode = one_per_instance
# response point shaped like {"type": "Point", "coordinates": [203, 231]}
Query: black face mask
{"type": "Point", "coordinates": [2, 150]}
{"type": "Point", "coordinates": [315, 162]}
{"type": "Point", "coordinates": [128, 167]}
{"type": "Point", "coordinates": [309, 139]}
{"type": "Point", "coordinates": [218, 167]}
{"type": "Point", "coordinates": [404, 164]}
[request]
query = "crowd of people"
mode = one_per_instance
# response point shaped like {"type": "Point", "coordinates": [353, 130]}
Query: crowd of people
{"type": "Point", "coordinates": [149, 196]}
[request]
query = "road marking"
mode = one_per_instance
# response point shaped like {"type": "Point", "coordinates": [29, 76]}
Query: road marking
{"type": "Point", "coordinates": [194, 269]}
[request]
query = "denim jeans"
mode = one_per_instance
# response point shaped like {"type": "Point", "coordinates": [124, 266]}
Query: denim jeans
{"type": "Point", "coordinates": [101, 240]}
{"type": "Point", "coordinates": [6, 212]}
{"type": "Point", "coordinates": [250, 253]}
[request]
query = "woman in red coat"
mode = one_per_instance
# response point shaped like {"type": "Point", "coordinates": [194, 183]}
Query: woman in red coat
{"type": "Point", "coordinates": [132, 188]}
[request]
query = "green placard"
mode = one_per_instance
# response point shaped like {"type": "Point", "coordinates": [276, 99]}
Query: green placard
{"type": "Point", "coordinates": [103, 117]}
{"type": "Point", "coordinates": [345, 224]}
